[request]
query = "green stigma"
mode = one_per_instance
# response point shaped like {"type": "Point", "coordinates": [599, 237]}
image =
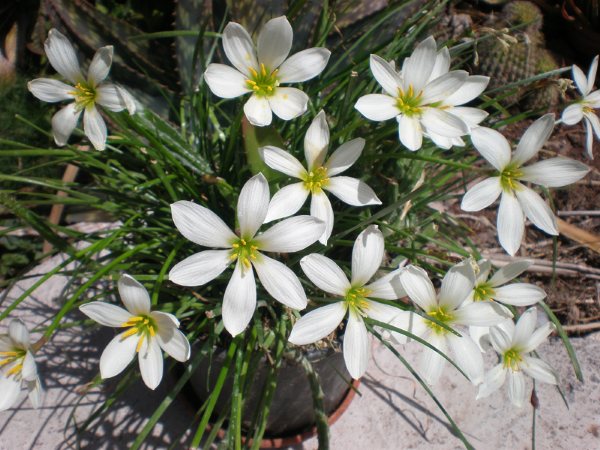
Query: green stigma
{"type": "Point", "coordinates": [245, 250]}
{"type": "Point", "coordinates": [408, 103]}
{"type": "Point", "coordinates": [263, 82]}
{"type": "Point", "coordinates": [511, 359]}
{"type": "Point", "coordinates": [509, 178]}
{"type": "Point", "coordinates": [441, 315]}
{"type": "Point", "coordinates": [316, 179]}
{"type": "Point", "coordinates": [483, 292]}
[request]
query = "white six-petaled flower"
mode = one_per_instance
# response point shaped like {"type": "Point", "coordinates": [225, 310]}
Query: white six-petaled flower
{"type": "Point", "coordinates": [147, 333]}
{"type": "Point", "coordinates": [202, 226]}
{"type": "Point", "coordinates": [518, 200]}
{"type": "Point", "coordinates": [448, 307]}
{"type": "Point", "coordinates": [261, 71]}
{"type": "Point", "coordinates": [514, 343]}
{"type": "Point", "coordinates": [356, 294]}
{"type": "Point", "coordinates": [86, 92]}
{"type": "Point", "coordinates": [424, 97]}
{"type": "Point", "coordinates": [584, 107]}
{"type": "Point", "coordinates": [319, 176]}
{"type": "Point", "coordinates": [17, 367]}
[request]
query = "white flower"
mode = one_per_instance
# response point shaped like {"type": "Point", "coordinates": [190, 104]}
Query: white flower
{"type": "Point", "coordinates": [449, 307]}
{"type": "Point", "coordinates": [367, 255]}
{"type": "Point", "coordinates": [514, 345]}
{"type": "Point", "coordinates": [17, 367]}
{"type": "Point", "coordinates": [584, 107]}
{"type": "Point", "coordinates": [317, 177]}
{"type": "Point", "coordinates": [261, 71]}
{"type": "Point", "coordinates": [517, 199]}
{"type": "Point", "coordinates": [424, 97]}
{"type": "Point", "coordinates": [147, 333]}
{"type": "Point", "coordinates": [86, 93]}
{"type": "Point", "coordinates": [202, 226]}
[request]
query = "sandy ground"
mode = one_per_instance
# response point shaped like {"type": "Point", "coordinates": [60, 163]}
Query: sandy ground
{"type": "Point", "coordinates": [391, 412]}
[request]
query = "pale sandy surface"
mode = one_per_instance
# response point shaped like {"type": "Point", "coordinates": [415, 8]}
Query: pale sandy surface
{"type": "Point", "coordinates": [392, 412]}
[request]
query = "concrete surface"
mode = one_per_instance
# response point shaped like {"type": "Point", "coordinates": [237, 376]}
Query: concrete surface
{"type": "Point", "coordinates": [391, 412]}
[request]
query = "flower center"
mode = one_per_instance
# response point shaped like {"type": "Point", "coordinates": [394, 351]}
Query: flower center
{"type": "Point", "coordinates": [263, 82]}
{"type": "Point", "coordinates": [85, 95]}
{"type": "Point", "coordinates": [356, 297]}
{"type": "Point", "coordinates": [441, 315]}
{"type": "Point", "coordinates": [244, 249]}
{"type": "Point", "coordinates": [408, 103]}
{"type": "Point", "coordinates": [509, 178]}
{"type": "Point", "coordinates": [316, 179]}
{"type": "Point", "coordinates": [143, 326]}
{"type": "Point", "coordinates": [483, 292]}
{"type": "Point", "coordinates": [588, 109]}
{"type": "Point", "coordinates": [511, 359]}
{"type": "Point", "coordinates": [16, 357]}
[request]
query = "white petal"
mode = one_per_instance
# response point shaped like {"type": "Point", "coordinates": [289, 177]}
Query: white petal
{"type": "Point", "coordinates": [388, 287]}
{"type": "Point", "coordinates": [591, 78]}
{"type": "Point", "coordinates": [510, 223]}
{"type": "Point", "coordinates": [105, 313]}
{"type": "Point", "coordinates": [377, 107]}
{"type": "Point", "coordinates": [134, 296]}
{"type": "Point", "coordinates": [115, 98]}
{"type": "Point", "coordinates": [200, 268]}
{"type": "Point", "coordinates": [151, 363]}
{"type": "Point", "coordinates": [480, 335]}
{"type": "Point", "coordinates": [258, 111]}
{"type": "Point", "coordinates": [50, 90]}
{"type": "Point", "coordinates": [320, 207]}
{"type": "Point", "coordinates": [555, 172]}
{"type": "Point", "coordinates": [344, 156]}
{"type": "Point", "coordinates": [281, 282]}
{"type": "Point", "coordinates": [594, 122]}
{"type": "Point", "coordinates": [533, 139]}
{"type": "Point", "coordinates": [519, 294]}
{"type": "Point", "coordinates": [492, 145]}
{"type": "Point", "coordinates": [352, 191]}
{"type": "Point", "coordinates": [443, 123]}
{"type": "Point", "coordinates": [481, 314]}
{"type": "Point", "coordinates": [471, 116]}
{"type": "Point", "coordinates": [288, 103]}
{"type": "Point", "coordinates": [18, 334]}
{"type": "Point", "coordinates": [316, 141]}
{"type": "Point", "coordinates": [304, 65]}
{"type": "Point", "coordinates": [442, 87]}
{"type": "Point", "coordinates": [493, 380]}
{"type": "Point", "coordinates": [516, 388]}
{"type": "Point", "coordinates": [317, 324]}
{"type": "Point", "coordinates": [367, 254]}
{"type": "Point", "coordinates": [538, 369]}
{"type": "Point", "coordinates": [481, 195]}
{"type": "Point", "coordinates": [282, 161]}
{"type": "Point", "coordinates": [593, 99]}
{"type": "Point", "coordinates": [100, 65]}
{"type": "Point", "coordinates": [6, 343]}
{"type": "Point", "coordinates": [239, 48]}
{"type": "Point", "coordinates": [580, 80]}
{"type": "Point", "coordinates": [385, 75]}
{"type": "Point", "coordinates": [356, 346]}
{"type": "Point", "coordinates": [509, 272]}
{"type": "Point", "coordinates": [467, 356]}
{"type": "Point", "coordinates": [274, 42]}
{"type": "Point", "coordinates": [418, 68]}
{"type": "Point", "coordinates": [64, 122]}
{"type": "Point", "coordinates": [117, 355]}
{"type": "Point", "coordinates": [29, 369]}
{"type": "Point", "coordinates": [589, 139]}
{"type": "Point", "coordinates": [35, 392]}
{"type": "Point", "coordinates": [501, 336]}
{"type": "Point", "coordinates": [252, 205]}
{"type": "Point", "coordinates": [201, 225]}
{"type": "Point", "coordinates": [472, 87]}
{"type": "Point", "coordinates": [538, 337]}
{"type": "Point", "coordinates": [325, 274]}
{"type": "Point", "coordinates": [62, 56]}
{"type": "Point", "coordinates": [410, 132]}
{"type": "Point", "coordinates": [485, 266]}
{"type": "Point", "coordinates": [10, 389]}
{"type": "Point", "coordinates": [225, 82]}
{"type": "Point", "coordinates": [524, 328]}
{"type": "Point", "coordinates": [537, 210]}
{"type": "Point", "coordinates": [391, 315]}
{"type": "Point", "coordinates": [239, 300]}
{"type": "Point", "coordinates": [418, 287]}
{"type": "Point", "coordinates": [291, 235]}
{"type": "Point", "coordinates": [286, 201]}
{"type": "Point", "coordinates": [572, 114]}
{"type": "Point", "coordinates": [94, 127]}
{"type": "Point", "coordinates": [442, 64]}
{"type": "Point", "coordinates": [170, 339]}
{"type": "Point", "coordinates": [432, 363]}
{"type": "Point", "coordinates": [457, 284]}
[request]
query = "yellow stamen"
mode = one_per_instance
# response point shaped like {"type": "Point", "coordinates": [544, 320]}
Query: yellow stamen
{"type": "Point", "coordinates": [263, 70]}
{"type": "Point", "coordinates": [5, 362]}
{"type": "Point", "coordinates": [129, 332]}
{"type": "Point", "coordinates": [152, 332]}
{"type": "Point", "coordinates": [139, 344]}
{"type": "Point", "coordinates": [16, 369]}
{"type": "Point", "coordinates": [253, 72]}
{"type": "Point", "coordinates": [9, 353]}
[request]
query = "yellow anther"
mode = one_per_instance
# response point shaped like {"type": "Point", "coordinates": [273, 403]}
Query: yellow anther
{"type": "Point", "coordinates": [242, 241]}
{"type": "Point", "coordinates": [129, 332]}
{"type": "Point", "coordinates": [5, 362]}
{"type": "Point", "coordinates": [152, 332]}
{"type": "Point", "coordinates": [139, 344]}
{"type": "Point", "coordinates": [252, 82]}
{"type": "Point", "coordinates": [246, 262]}
{"type": "Point", "coordinates": [263, 70]}
{"type": "Point", "coordinates": [16, 369]}
{"type": "Point", "coordinates": [9, 353]}
{"type": "Point", "coordinates": [253, 71]}
{"type": "Point", "coordinates": [235, 245]}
